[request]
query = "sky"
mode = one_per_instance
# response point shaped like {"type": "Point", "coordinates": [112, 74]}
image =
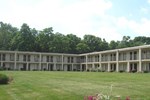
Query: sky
{"type": "Point", "coordinates": [109, 19]}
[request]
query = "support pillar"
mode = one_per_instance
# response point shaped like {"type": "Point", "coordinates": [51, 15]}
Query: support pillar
{"type": "Point", "coordinates": [128, 67]}
{"type": "Point", "coordinates": [86, 62]}
{"type": "Point", "coordinates": [80, 67]}
{"type": "Point", "coordinates": [140, 61]}
{"type": "Point", "coordinates": [15, 61]}
{"type": "Point", "coordinates": [72, 67]}
{"type": "Point", "coordinates": [40, 60]}
{"type": "Point", "coordinates": [108, 67]}
{"type": "Point", "coordinates": [55, 66]}
{"type": "Point", "coordinates": [117, 61]}
{"type": "Point", "coordinates": [62, 62]}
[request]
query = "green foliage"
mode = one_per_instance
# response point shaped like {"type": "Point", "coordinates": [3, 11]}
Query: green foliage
{"type": "Point", "coordinates": [4, 79]}
{"type": "Point", "coordinates": [28, 39]}
{"type": "Point", "coordinates": [24, 40]}
{"type": "Point", "coordinates": [1, 68]}
{"type": "Point", "coordinates": [121, 71]}
{"type": "Point", "coordinates": [146, 71]}
{"type": "Point", "coordinates": [82, 48]}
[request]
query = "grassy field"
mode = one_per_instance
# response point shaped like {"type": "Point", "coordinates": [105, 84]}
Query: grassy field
{"type": "Point", "coordinates": [40, 85]}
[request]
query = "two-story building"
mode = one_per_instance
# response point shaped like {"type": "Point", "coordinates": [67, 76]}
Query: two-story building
{"type": "Point", "coordinates": [130, 59]}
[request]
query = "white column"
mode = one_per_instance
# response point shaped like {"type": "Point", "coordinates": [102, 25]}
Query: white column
{"type": "Point", "coordinates": [140, 61]}
{"type": "Point", "coordinates": [93, 67]}
{"type": "Point", "coordinates": [99, 57]}
{"type": "Point", "coordinates": [108, 67]}
{"type": "Point", "coordinates": [80, 67]}
{"type": "Point", "coordinates": [15, 61]}
{"type": "Point", "coordinates": [86, 62]}
{"type": "Point", "coordinates": [72, 67]}
{"type": "Point", "coordinates": [47, 66]}
{"type": "Point", "coordinates": [54, 66]}
{"type": "Point", "coordinates": [117, 61]}
{"type": "Point", "coordinates": [40, 60]}
{"type": "Point", "coordinates": [128, 67]}
{"type": "Point", "coordinates": [62, 63]}
{"type": "Point", "coordinates": [100, 65]}
{"type": "Point", "coordinates": [27, 66]}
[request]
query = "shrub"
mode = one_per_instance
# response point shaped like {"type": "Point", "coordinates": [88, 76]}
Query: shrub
{"type": "Point", "coordinates": [103, 71]}
{"type": "Point", "coordinates": [36, 69]}
{"type": "Point", "coordinates": [4, 79]}
{"type": "Point", "coordinates": [146, 71]}
{"type": "Point", "coordinates": [112, 71]}
{"type": "Point", "coordinates": [93, 70]}
{"type": "Point", "coordinates": [121, 71]}
{"type": "Point", "coordinates": [99, 70]}
{"type": "Point", "coordinates": [74, 69]}
{"type": "Point", "coordinates": [133, 71]}
{"type": "Point", "coordinates": [1, 68]}
{"type": "Point", "coordinates": [78, 69]}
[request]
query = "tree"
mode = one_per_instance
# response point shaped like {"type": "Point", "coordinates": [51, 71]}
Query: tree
{"type": "Point", "coordinates": [113, 45]}
{"type": "Point", "coordinates": [126, 42]}
{"type": "Point", "coordinates": [93, 42]}
{"type": "Point", "coordinates": [104, 45]}
{"type": "Point", "coordinates": [7, 32]}
{"type": "Point", "coordinates": [73, 41]}
{"type": "Point", "coordinates": [60, 44]}
{"type": "Point", "coordinates": [24, 40]}
{"type": "Point", "coordinates": [44, 39]}
{"type": "Point", "coordinates": [82, 48]}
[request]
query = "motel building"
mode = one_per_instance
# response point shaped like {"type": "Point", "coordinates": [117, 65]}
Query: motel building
{"type": "Point", "coordinates": [130, 59]}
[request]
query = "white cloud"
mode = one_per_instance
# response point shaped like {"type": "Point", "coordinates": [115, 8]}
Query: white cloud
{"type": "Point", "coordinates": [144, 10]}
{"type": "Point", "coordinates": [74, 17]}
{"type": "Point", "coordinates": [148, 1]}
{"type": "Point", "coordinates": [122, 22]}
{"type": "Point", "coordinates": [79, 17]}
{"type": "Point", "coordinates": [139, 28]}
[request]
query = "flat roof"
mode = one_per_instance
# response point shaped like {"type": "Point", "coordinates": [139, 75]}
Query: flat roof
{"type": "Point", "coordinates": [91, 53]}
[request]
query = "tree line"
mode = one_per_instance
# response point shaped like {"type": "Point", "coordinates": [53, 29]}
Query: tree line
{"type": "Point", "coordinates": [28, 39]}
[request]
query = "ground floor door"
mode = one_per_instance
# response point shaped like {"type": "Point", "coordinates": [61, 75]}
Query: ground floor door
{"type": "Point", "coordinates": [24, 67]}
{"type": "Point", "coordinates": [83, 67]}
{"type": "Point", "coordinates": [50, 67]}
{"type": "Point", "coordinates": [68, 67]}
{"type": "Point", "coordinates": [133, 67]}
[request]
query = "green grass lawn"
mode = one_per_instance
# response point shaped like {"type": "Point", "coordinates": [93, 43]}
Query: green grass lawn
{"type": "Point", "coordinates": [45, 85]}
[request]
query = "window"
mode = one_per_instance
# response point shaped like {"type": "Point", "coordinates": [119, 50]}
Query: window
{"type": "Point", "coordinates": [111, 57]}
{"type": "Point", "coordinates": [51, 58]}
{"type": "Point", "coordinates": [28, 57]}
{"type": "Point", "coordinates": [11, 57]}
{"type": "Point", "coordinates": [36, 58]}
{"type": "Point", "coordinates": [102, 58]}
{"type": "Point", "coordinates": [3, 57]}
{"type": "Point", "coordinates": [24, 57]}
{"type": "Point", "coordinates": [72, 59]}
{"type": "Point", "coordinates": [130, 55]}
{"type": "Point", "coordinates": [124, 56]}
{"type": "Point", "coordinates": [148, 55]}
{"type": "Point", "coordinates": [119, 56]}
{"type": "Point", "coordinates": [17, 57]}
{"type": "Point", "coordinates": [68, 60]}
{"type": "Point", "coordinates": [47, 57]}
{"type": "Point", "coordinates": [135, 55]}
{"type": "Point", "coordinates": [58, 59]}
{"type": "Point", "coordinates": [96, 58]}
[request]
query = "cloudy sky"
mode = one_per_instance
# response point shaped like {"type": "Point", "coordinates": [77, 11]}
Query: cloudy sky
{"type": "Point", "coordinates": [109, 19]}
